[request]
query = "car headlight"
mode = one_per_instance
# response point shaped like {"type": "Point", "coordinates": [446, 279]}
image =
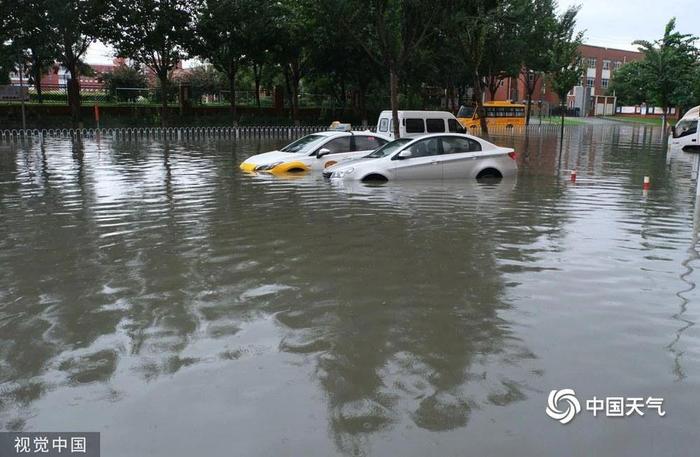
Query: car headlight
{"type": "Point", "coordinates": [267, 166]}
{"type": "Point", "coordinates": [341, 173]}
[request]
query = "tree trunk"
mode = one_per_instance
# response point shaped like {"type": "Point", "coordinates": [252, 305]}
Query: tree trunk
{"type": "Point", "coordinates": [164, 83]}
{"type": "Point", "coordinates": [257, 75]}
{"type": "Point", "coordinates": [296, 78]}
{"type": "Point", "coordinates": [394, 90]}
{"type": "Point", "coordinates": [36, 73]}
{"type": "Point", "coordinates": [529, 107]}
{"type": "Point", "coordinates": [561, 135]}
{"type": "Point", "coordinates": [74, 93]}
{"type": "Point", "coordinates": [232, 70]}
{"type": "Point", "coordinates": [477, 96]}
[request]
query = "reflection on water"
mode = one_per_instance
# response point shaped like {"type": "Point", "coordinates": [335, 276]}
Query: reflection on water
{"type": "Point", "coordinates": [150, 289]}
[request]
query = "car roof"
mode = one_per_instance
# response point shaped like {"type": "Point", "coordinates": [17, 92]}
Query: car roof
{"type": "Point", "coordinates": [332, 133]}
{"type": "Point", "coordinates": [446, 134]}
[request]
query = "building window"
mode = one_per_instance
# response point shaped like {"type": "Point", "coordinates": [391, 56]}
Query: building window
{"type": "Point", "coordinates": [590, 82]}
{"type": "Point", "coordinates": [606, 65]}
{"type": "Point", "coordinates": [531, 76]}
{"type": "Point", "coordinates": [591, 62]}
{"type": "Point", "coordinates": [618, 64]}
{"type": "Point", "coordinates": [604, 83]}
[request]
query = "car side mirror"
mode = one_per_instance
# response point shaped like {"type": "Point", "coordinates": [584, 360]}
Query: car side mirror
{"type": "Point", "coordinates": [322, 152]}
{"type": "Point", "coordinates": [405, 154]}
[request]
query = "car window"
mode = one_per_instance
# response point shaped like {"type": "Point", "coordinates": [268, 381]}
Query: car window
{"type": "Point", "coordinates": [435, 125]}
{"type": "Point", "coordinates": [368, 142]}
{"type": "Point", "coordinates": [414, 125]}
{"type": "Point", "coordinates": [337, 145]}
{"type": "Point", "coordinates": [303, 144]}
{"type": "Point", "coordinates": [383, 125]}
{"type": "Point", "coordinates": [454, 126]}
{"type": "Point", "coordinates": [424, 148]}
{"type": "Point", "coordinates": [389, 148]}
{"type": "Point", "coordinates": [685, 128]}
{"type": "Point", "coordinates": [455, 145]}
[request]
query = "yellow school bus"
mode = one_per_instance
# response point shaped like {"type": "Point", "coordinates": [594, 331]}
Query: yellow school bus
{"type": "Point", "coordinates": [506, 114]}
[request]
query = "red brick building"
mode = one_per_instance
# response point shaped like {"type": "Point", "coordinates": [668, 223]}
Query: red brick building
{"type": "Point", "coordinates": [599, 68]}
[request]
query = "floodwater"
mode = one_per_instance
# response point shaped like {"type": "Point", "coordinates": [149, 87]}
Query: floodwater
{"type": "Point", "coordinates": [151, 292]}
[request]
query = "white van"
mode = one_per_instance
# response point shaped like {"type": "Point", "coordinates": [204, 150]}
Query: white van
{"type": "Point", "coordinates": [685, 134]}
{"type": "Point", "coordinates": [418, 123]}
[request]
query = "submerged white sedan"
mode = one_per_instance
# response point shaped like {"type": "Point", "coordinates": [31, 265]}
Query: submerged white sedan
{"type": "Point", "coordinates": [437, 156]}
{"type": "Point", "coordinates": [315, 151]}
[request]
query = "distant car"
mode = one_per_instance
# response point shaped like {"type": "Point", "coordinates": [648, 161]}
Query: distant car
{"type": "Point", "coordinates": [438, 156]}
{"type": "Point", "coordinates": [315, 152]}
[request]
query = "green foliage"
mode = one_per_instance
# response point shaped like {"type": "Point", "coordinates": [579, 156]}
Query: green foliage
{"type": "Point", "coordinates": [125, 77]}
{"type": "Point", "coordinates": [204, 80]}
{"type": "Point", "coordinates": [154, 33]}
{"type": "Point", "coordinates": [565, 66]}
{"type": "Point", "coordinates": [668, 68]}
{"type": "Point", "coordinates": [629, 84]}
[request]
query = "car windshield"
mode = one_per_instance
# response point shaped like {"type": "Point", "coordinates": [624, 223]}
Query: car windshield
{"type": "Point", "coordinates": [388, 148]}
{"type": "Point", "coordinates": [303, 144]}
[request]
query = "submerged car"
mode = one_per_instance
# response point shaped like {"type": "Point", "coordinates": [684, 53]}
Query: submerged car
{"type": "Point", "coordinates": [438, 156]}
{"type": "Point", "coordinates": [315, 151]}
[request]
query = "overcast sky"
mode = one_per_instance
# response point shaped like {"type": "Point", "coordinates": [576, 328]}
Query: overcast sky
{"type": "Point", "coordinates": [617, 23]}
{"type": "Point", "coordinates": [610, 23]}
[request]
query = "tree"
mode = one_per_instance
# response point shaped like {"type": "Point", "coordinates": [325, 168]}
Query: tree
{"type": "Point", "coordinates": [393, 37]}
{"type": "Point", "coordinates": [292, 30]}
{"type": "Point", "coordinates": [222, 33]}
{"type": "Point", "coordinates": [75, 24]}
{"type": "Point", "coordinates": [536, 31]}
{"type": "Point", "coordinates": [501, 55]}
{"type": "Point", "coordinates": [204, 80]}
{"type": "Point", "coordinates": [628, 85]}
{"type": "Point", "coordinates": [566, 60]}
{"type": "Point", "coordinates": [38, 52]}
{"type": "Point", "coordinates": [668, 68]}
{"type": "Point", "coordinates": [154, 33]}
{"type": "Point", "coordinates": [471, 26]}
{"type": "Point", "coordinates": [124, 77]}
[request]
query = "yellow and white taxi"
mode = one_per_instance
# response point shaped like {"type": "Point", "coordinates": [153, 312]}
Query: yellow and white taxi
{"type": "Point", "coordinates": [315, 152]}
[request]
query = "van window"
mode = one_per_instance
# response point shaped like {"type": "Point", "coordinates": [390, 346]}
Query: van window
{"type": "Point", "coordinates": [368, 143]}
{"type": "Point", "coordinates": [415, 125]}
{"type": "Point", "coordinates": [435, 125]}
{"type": "Point", "coordinates": [454, 126]}
{"type": "Point", "coordinates": [686, 127]}
{"type": "Point", "coordinates": [383, 124]}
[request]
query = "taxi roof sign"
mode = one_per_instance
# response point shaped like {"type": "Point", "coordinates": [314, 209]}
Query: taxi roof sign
{"type": "Point", "coordinates": [338, 126]}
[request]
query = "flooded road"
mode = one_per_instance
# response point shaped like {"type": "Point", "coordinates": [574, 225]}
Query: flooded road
{"type": "Point", "coordinates": [151, 292]}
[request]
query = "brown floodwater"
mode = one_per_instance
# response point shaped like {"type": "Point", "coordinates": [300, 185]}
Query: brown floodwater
{"type": "Point", "coordinates": [151, 292]}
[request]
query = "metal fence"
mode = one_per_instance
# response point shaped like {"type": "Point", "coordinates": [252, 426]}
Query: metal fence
{"type": "Point", "coordinates": [178, 133]}
{"type": "Point", "coordinates": [182, 133]}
